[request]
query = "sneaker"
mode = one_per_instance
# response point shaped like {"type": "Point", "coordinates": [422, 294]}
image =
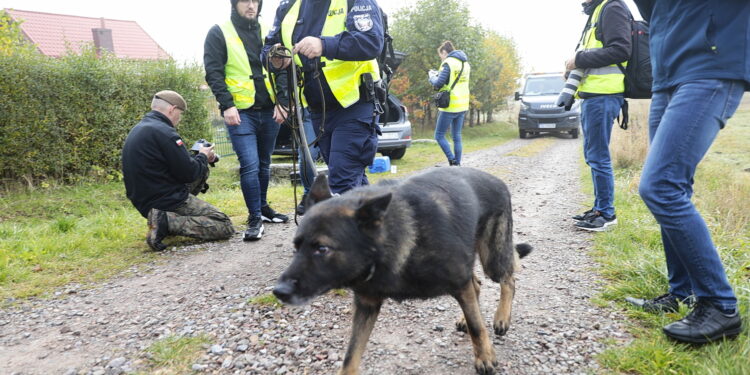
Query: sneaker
{"type": "Point", "coordinates": [663, 303]}
{"type": "Point", "coordinates": [158, 229]}
{"type": "Point", "coordinates": [584, 216]}
{"type": "Point", "coordinates": [705, 323]}
{"type": "Point", "coordinates": [271, 216]}
{"type": "Point", "coordinates": [301, 206]}
{"type": "Point", "coordinates": [597, 222]}
{"type": "Point", "coordinates": [454, 163]}
{"type": "Point", "coordinates": [254, 229]}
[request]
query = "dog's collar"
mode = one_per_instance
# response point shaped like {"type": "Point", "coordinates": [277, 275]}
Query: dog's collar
{"type": "Point", "coordinates": [372, 273]}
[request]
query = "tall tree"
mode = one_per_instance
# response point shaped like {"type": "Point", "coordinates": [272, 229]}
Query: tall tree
{"type": "Point", "coordinates": [419, 30]}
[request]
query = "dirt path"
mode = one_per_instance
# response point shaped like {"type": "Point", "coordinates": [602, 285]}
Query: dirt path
{"type": "Point", "coordinates": [203, 289]}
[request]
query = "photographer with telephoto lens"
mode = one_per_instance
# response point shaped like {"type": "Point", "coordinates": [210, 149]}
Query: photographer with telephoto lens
{"type": "Point", "coordinates": [605, 42]}
{"type": "Point", "coordinates": [162, 178]}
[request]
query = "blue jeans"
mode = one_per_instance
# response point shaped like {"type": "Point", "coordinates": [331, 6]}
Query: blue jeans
{"type": "Point", "coordinates": [597, 116]}
{"type": "Point", "coordinates": [348, 144]}
{"type": "Point", "coordinates": [454, 120]}
{"type": "Point", "coordinates": [307, 173]}
{"type": "Point", "coordinates": [683, 123]}
{"type": "Point", "coordinates": [253, 141]}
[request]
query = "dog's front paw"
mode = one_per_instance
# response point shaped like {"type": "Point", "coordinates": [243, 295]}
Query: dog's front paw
{"type": "Point", "coordinates": [461, 325]}
{"type": "Point", "coordinates": [501, 327]}
{"type": "Point", "coordinates": [485, 367]}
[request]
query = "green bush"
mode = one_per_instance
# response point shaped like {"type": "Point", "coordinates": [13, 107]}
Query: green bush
{"type": "Point", "coordinates": [67, 118]}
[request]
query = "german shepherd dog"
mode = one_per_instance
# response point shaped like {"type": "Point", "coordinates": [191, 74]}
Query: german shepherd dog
{"type": "Point", "coordinates": [416, 238]}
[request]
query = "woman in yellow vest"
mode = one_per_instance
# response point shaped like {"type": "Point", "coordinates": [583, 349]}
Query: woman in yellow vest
{"type": "Point", "coordinates": [454, 77]}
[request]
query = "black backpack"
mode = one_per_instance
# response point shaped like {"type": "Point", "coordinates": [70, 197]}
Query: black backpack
{"type": "Point", "coordinates": [638, 77]}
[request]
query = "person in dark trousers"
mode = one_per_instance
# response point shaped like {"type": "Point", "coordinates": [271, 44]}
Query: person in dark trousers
{"type": "Point", "coordinates": [161, 177]}
{"type": "Point", "coordinates": [454, 66]}
{"type": "Point", "coordinates": [242, 88]}
{"type": "Point", "coordinates": [336, 48]}
{"type": "Point", "coordinates": [700, 58]}
{"type": "Point", "coordinates": [606, 41]}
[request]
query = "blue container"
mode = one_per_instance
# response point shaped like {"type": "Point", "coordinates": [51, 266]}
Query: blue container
{"type": "Point", "coordinates": [380, 164]}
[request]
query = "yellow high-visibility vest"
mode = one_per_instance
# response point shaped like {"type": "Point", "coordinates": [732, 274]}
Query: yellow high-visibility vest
{"type": "Point", "coordinates": [343, 77]}
{"type": "Point", "coordinates": [604, 80]}
{"type": "Point", "coordinates": [460, 95]}
{"type": "Point", "coordinates": [237, 72]}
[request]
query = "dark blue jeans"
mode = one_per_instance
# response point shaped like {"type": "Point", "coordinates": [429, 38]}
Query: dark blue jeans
{"type": "Point", "coordinates": [683, 123]}
{"type": "Point", "coordinates": [348, 144]}
{"type": "Point", "coordinates": [253, 141]}
{"type": "Point", "coordinates": [307, 172]}
{"type": "Point", "coordinates": [597, 116]}
{"type": "Point", "coordinates": [454, 121]}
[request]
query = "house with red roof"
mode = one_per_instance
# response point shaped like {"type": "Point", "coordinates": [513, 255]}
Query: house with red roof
{"type": "Point", "coordinates": [56, 34]}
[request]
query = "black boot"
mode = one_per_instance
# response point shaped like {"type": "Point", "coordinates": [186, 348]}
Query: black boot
{"type": "Point", "coordinates": [705, 323]}
{"type": "Point", "coordinates": [158, 229]}
{"type": "Point", "coordinates": [301, 205]}
{"type": "Point", "coordinates": [663, 303]}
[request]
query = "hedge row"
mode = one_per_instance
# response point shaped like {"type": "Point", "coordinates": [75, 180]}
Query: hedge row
{"type": "Point", "coordinates": [67, 118]}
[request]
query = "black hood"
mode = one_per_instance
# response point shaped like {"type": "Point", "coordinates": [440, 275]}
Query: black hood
{"type": "Point", "coordinates": [242, 21]}
{"type": "Point", "coordinates": [588, 8]}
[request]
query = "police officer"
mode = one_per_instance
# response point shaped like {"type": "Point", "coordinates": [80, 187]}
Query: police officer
{"type": "Point", "coordinates": [247, 100]}
{"type": "Point", "coordinates": [335, 42]}
{"type": "Point", "coordinates": [159, 175]}
{"type": "Point", "coordinates": [605, 43]}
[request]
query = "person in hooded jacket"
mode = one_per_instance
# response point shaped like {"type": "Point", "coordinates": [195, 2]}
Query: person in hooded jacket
{"type": "Point", "coordinates": [454, 66]}
{"type": "Point", "coordinates": [249, 103]}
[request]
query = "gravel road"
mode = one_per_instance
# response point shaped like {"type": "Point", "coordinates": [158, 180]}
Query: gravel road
{"type": "Point", "coordinates": [204, 289]}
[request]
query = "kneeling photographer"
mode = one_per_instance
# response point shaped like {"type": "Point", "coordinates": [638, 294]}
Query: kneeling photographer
{"type": "Point", "coordinates": [161, 177]}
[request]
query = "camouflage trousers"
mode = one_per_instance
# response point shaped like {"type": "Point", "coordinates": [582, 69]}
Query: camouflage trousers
{"type": "Point", "coordinates": [198, 219]}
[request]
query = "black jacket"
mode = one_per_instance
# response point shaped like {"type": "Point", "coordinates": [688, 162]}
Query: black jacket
{"type": "Point", "coordinates": [156, 165]}
{"type": "Point", "coordinates": [614, 32]}
{"type": "Point", "coordinates": [215, 59]}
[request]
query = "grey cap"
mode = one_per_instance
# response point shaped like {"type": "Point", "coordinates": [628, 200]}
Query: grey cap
{"type": "Point", "coordinates": [172, 98]}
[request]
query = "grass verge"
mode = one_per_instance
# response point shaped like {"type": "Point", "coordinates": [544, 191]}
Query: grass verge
{"type": "Point", "coordinates": [632, 259]}
{"type": "Point", "coordinates": [51, 236]}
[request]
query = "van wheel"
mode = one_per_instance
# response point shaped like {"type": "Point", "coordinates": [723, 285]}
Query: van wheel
{"type": "Point", "coordinates": [574, 133]}
{"type": "Point", "coordinates": [523, 134]}
{"type": "Point", "coordinates": [395, 154]}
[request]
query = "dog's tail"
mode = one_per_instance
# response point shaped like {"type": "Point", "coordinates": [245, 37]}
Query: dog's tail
{"type": "Point", "coordinates": [497, 253]}
{"type": "Point", "coordinates": [523, 249]}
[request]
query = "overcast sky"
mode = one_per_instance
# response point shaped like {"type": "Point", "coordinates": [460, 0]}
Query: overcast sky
{"type": "Point", "coordinates": [545, 31]}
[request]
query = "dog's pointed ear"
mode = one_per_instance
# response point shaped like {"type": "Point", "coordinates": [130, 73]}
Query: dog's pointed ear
{"type": "Point", "coordinates": [319, 191]}
{"type": "Point", "coordinates": [372, 209]}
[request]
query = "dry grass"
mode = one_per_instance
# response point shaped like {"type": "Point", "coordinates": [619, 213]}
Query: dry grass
{"type": "Point", "coordinates": [629, 147]}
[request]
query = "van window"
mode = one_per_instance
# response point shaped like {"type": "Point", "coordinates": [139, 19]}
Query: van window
{"type": "Point", "coordinates": [544, 85]}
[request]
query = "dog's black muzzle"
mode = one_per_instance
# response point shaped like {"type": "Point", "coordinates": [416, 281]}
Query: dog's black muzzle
{"type": "Point", "coordinates": [285, 290]}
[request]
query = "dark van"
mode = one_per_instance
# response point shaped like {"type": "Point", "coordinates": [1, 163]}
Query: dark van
{"type": "Point", "coordinates": [539, 113]}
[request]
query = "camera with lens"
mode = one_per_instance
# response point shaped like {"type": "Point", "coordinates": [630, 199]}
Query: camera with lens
{"type": "Point", "coordinates": [567, 95]}
{"type": "Point", "coordinates": [204, 143]}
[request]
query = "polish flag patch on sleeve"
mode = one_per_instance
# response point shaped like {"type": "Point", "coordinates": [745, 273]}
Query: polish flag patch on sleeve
{"type": "Point", "coordinates": [179, 142]}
